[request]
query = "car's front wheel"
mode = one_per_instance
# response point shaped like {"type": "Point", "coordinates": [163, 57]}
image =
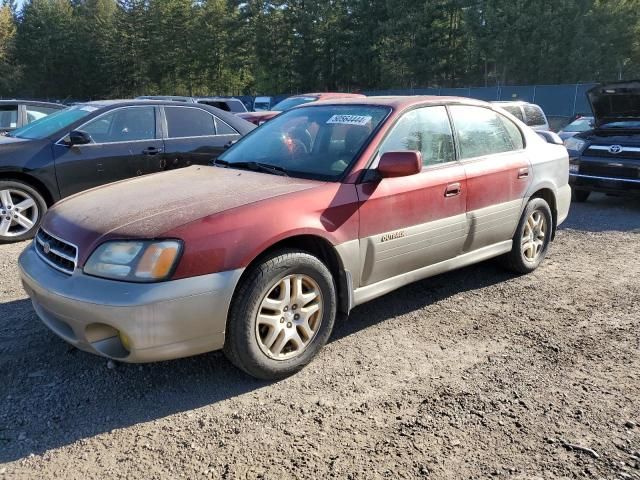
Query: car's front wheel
{"type": "Point", "coordinates": [281, 316]}
{"type": "Point", "coordinates": [21, 211]}
{"type": "Point", "coordinates": [532, 238]}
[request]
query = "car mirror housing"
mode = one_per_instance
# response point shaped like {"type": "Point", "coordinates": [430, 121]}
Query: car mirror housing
{"type": "Point", "coordinates": [77, 137]}
{"type": "Point", "coordinates": [400, 164]}
{"type": "Point", "coordinates": [550, 137]}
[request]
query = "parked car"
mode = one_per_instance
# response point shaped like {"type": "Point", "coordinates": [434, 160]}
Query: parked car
{"type": "Point", "coordinates": [261, 104]}
{"type": "Point", "coordinates": [95, 143]}
{"type": "Point", "coordinates": [232, 105]}
{"type": "Point", "coordinates": [532, 115]}
{"type": "Point", "coordinates": [606, 158]}
{"type": "Point", "coordinates": [323, 208]}
{"type": "Point", "coordinates": [18, 113]}
{"type": "Point", "coordinates": [580, 124]}
{"type": "Point", "coordinates": [260, 117]}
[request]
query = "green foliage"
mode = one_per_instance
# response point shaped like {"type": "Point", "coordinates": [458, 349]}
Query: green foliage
{"type": "Point", "coordinates": [122, 48]}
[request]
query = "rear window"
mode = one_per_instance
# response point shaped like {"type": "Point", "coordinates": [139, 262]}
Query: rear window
{"type": "Point", "coordinates": [535, 116]}
{"type": "Point", "coordinates": [514, 110]}
{"type": "Point", "coordinates": [481, 131]}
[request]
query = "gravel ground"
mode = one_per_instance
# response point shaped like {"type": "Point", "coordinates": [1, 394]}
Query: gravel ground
{"type": "Point", "coordinates": [472, 374]}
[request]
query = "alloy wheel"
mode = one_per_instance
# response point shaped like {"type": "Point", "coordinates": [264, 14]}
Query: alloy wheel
{"type": "Point", "coordinates": [534, 235]}
{"type": "Point", "coordinates": [18, 213]}
{"type": "Point", "coordinates": [289, 317]}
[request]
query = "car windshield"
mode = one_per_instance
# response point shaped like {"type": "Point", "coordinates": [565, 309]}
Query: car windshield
{"type": "Point", "coordinates": [318, 142]}
{"type": "Point", "coordinates": [580, 125]}
{"type": "Point", "coordinates": [50, 124]}
{"type": "Point", "coordinates": [291, 102]}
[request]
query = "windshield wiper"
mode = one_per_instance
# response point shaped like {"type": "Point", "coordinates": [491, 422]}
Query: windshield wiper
{"type": "Point", "coordinates": [254, 166]}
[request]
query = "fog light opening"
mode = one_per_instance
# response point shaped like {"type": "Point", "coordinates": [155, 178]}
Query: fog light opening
{"type": "Point", "coordinates": [125, 340]}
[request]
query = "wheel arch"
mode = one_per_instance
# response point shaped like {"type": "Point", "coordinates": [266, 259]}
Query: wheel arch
{"type": "Point", "coordinates": [33, 182]}
{"type": "Point", "coordinates": [319, 247]}
{"type": "Point", "coordinates": [549, 196]}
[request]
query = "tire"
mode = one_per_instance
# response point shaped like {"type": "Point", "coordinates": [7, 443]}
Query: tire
{"type": "Point", "coordinates": [525, 260]}
{"type": "Point", "coordinates": [580, 195]}
{"type": "Point", "coordinates": [262, 349]}
{"type": "Point", "coordinates": [16, 193]}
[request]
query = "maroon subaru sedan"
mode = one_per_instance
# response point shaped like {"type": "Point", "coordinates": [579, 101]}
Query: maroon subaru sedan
{"type": "Point", "coordinates": [326, 206]}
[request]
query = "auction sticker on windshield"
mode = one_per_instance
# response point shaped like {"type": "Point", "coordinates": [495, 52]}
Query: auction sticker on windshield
{"type": "Point", "coordinates": [361, 120]}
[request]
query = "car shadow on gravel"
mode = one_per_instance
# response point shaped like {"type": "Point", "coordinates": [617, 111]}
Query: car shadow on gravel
{"type": "Point", "coordinates": [602, 213]}
{"type": "Point", "coordinates": [54, 395]}
{"type": "Point", "coordinates": [417, 295]}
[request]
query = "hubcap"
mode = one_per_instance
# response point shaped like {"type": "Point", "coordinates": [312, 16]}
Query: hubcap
{"type": "Point", "coordinates": [533, 237]}
{"type": "Point", "coordinates": [289, 317]}
{"type": "Point", "coordinates": [19, 213]}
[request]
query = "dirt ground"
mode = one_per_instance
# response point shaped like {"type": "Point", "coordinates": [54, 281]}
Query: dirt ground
{"type": "Point", "coordinates": [472, 374]}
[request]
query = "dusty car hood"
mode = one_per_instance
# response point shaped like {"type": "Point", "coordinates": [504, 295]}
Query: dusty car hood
{"type": "Point", "coordinates": [615, 101]}
{"type": "Point", "coordinates": [148, 206]}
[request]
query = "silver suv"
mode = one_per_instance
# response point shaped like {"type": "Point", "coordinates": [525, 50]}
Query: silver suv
{"type": "Point", "coordinates": [529, 113]}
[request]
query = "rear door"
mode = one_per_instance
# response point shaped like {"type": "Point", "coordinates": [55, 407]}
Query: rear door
{"type": "Point", "coordinates": [125, 142]}
{"type": "Point", "coordinates": [411, 222]}
{"type": "Point", "coordinates": [491, 148]}
{"type": "Point", "coordinates": [193, 136]}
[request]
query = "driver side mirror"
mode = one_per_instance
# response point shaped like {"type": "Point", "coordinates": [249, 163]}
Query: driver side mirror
{"type": "Point", "coordinates": [77, 137]}
{"type": "Point", "coordinates": [400, 164]}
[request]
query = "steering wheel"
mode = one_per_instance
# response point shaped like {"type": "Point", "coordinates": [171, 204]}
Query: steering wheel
{"type": "Point", "coordinates": [296, 146]}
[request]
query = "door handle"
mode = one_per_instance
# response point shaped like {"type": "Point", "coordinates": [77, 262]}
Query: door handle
{"type": "Point", "coordinates": [523, 173]}
{"type": "Point", "coordinates": [151, 151]}
{"type": "Point", "coordinates": [453, 189]}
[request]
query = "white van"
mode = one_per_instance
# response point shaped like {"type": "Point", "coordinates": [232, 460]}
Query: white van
{"type": "Point", "coordinates": [262, 104]}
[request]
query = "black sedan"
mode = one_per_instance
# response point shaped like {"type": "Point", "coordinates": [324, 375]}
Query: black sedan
{"type": "Point", "coordinates": [18, 113]}
{"type": "Point", "coordinates": [94, 143]}
{"type": "Point", "coordinates": [606, 158]}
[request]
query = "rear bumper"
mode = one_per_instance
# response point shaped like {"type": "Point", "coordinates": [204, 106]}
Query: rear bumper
{"type": "Point", "coordinates": [127, 321]}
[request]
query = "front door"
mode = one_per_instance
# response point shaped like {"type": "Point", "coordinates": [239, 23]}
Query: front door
{"type": "Point", "coordinates": [124, 143]}
{"type": "Point", "coordinates": [412, 222]}
{"type": "Point", "coordinates": [194, 137]}
{"type": "Point", "coordinates": [497, 170]}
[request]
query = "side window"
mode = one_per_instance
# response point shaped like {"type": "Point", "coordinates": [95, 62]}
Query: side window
{"type": "Point", "coordinates": [515, 110]}
{"type": "Point", "coordinates": [514, 133]}
{"type": "Point", "coordinates": [224, 129]}
{"type": "Point", "coordinates": [426, 130]}
{"type": "Point", "coordinates": [535, 116]}
{"type": "Point", "coordinates": [123, 125]}
{"type": "Point", "coordinates": [8, 116]}
{"type": "Point", "coordinates": [189, 122]}
{"type": "Point", "coordinates": [36, 113]}
{"type": "Point", "coordinates": [480, 131]}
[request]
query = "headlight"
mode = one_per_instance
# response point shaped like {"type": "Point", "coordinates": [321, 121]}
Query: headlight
{"type": "Point", "coordinates": [134, 261]}
{"type": "Point", "coordinates": [573, 143]}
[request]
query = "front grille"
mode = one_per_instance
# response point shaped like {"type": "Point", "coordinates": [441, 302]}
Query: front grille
{"type": "Point", "coordinates": [603, 151]}
{"type": "Point", "coordinates": [59, 254]}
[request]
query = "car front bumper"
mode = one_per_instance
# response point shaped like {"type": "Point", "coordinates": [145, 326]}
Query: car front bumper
{"type": "Point", "coordinates": [608, 175]}
{"type": "Point", "coordinates": [130, 322]}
